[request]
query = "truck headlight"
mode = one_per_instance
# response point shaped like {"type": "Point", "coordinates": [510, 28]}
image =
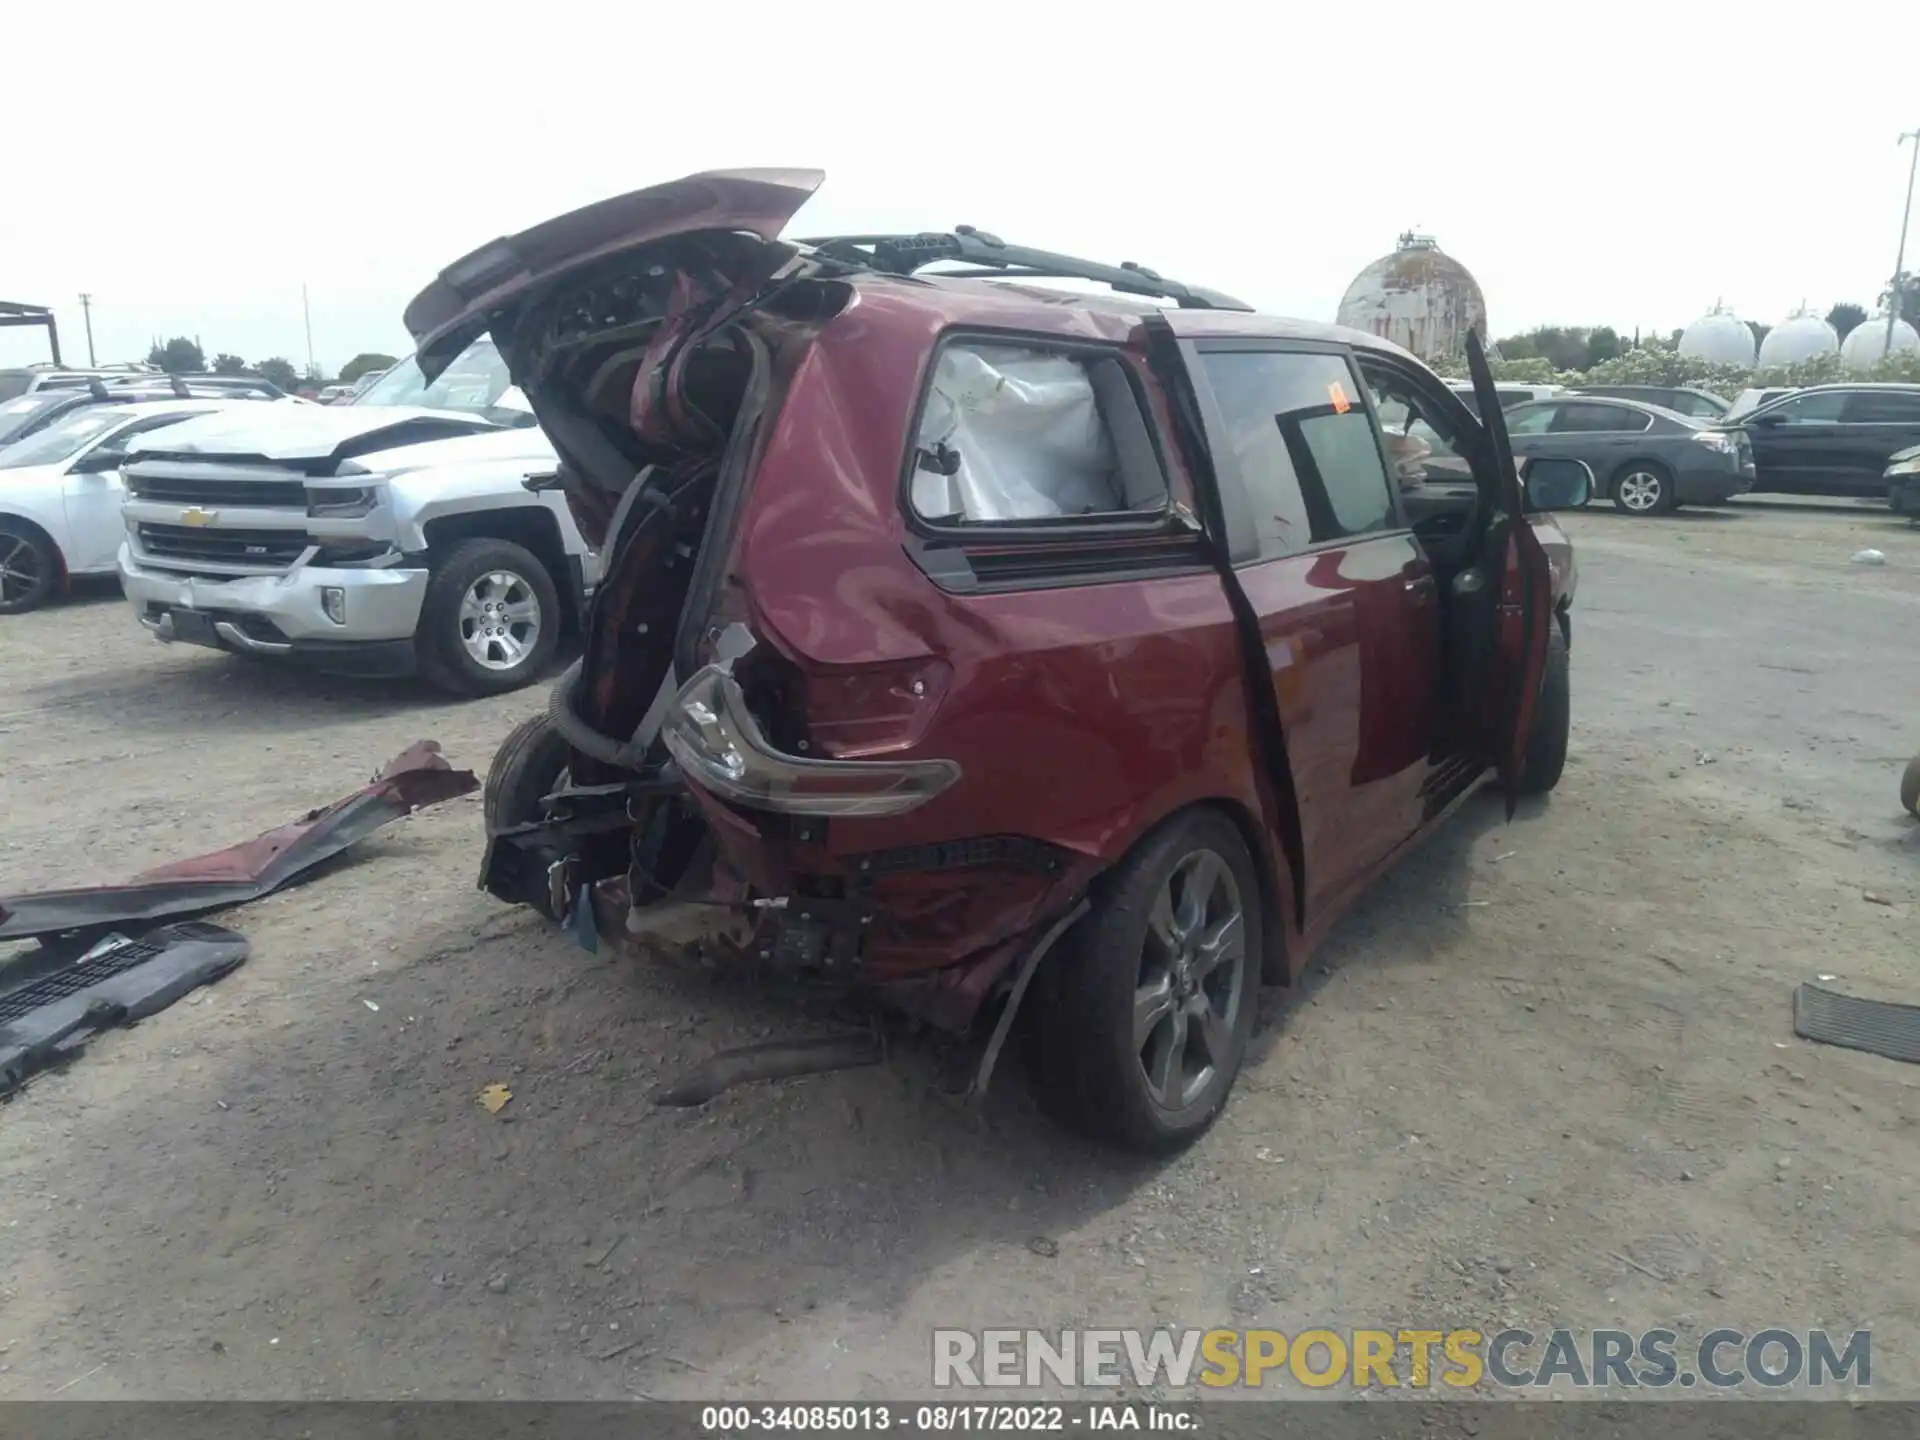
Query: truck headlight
{"type": "Point", "coordinates": [1908, 466]}
{"type": "Point", "coordinates": [331, 504]}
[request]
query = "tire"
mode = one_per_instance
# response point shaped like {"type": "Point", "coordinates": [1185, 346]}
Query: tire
{"type": "Point", "coordinates": [1552, 720]}
{"type": "Point", "coordinates": [1091, 1070]}
{"type": "Point", "coordinates": [461, 647]}
{"type": "Point", "coordinates": [1910, 787]}
{"type": "Point", "coordinates": [30, 568]}
{"type": "Point", "coordinates": [525, 770]}
{"type": "Point", "coordinates": [1641, 488]}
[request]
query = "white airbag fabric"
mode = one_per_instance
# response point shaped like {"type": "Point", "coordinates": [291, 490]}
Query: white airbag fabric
{"type": "Point", "coordinates": [1026, 431]}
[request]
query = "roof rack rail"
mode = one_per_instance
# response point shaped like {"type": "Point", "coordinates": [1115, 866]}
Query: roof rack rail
{"type": "Point", "coordinates": [993, 257]}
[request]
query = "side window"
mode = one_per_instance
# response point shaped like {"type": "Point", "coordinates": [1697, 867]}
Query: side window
{"type": "Point", "coordinates": [1011, 434]}
{"type": "Point", "coordinates": [1822, 408]}
{"type": "Point", "coordinates": [1531, 419]}
{"type": "Point", "coordinates": [1575, 418]}
{"type": "Point", "coordinates": [1422, 443]}
{"type": "Point", "coordinates": [1884, 407]}
{"type": "Point", "coordinates": [1305, 446]}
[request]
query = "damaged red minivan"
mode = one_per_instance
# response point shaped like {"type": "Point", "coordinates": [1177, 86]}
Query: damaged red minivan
{"type": "Point", "coordinates": [999, 649]}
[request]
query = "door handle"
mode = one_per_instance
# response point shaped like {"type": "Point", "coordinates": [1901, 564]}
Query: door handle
{"type": "Point", "coordinates": [1422, 589]}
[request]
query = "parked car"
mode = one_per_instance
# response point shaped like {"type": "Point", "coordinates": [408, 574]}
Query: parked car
{"type": "Point", "coordinates": [1510, 393]}
{"type": "Point", "coordinates": [333, 394]}
{"type": "Point", "coordinates": [252, 387]}
{"type": "Point", "coordinates": [1747, 401]}
{"type": "Point", "coordinates": [30, 413]}
{"type": "Point", "coordinates": [1832, 439]}
{"type": "Point", "coordinates": [60, 495]}
{"type": "Point", "coordinates": [1681, 399]}
{"type": "Point", "coordinates": [1647, 460]}
{"type": "Point", "coordinates": [393, 535]}
{"type": "Point", "coordinates": [27, 379]}
{"type": "Point", "coordinates": [1903, 482]}
{"type": "Point", "coordinates": [998, 634]}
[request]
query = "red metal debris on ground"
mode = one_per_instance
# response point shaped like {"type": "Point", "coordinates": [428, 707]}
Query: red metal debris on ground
{"type": "Point", "coordinates": [418, 776]}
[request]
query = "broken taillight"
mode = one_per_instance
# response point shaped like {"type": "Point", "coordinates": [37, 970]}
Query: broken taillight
{"type": "Point", "coordinates": [719, 746]}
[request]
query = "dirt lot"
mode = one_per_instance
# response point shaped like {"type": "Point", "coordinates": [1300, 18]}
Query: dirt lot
{"type": "Point", "coordinates": [1544, 1075]}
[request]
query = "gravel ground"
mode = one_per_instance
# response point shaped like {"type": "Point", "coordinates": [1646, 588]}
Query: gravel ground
{"type": "Point", "coordinates": [1543, 1075]}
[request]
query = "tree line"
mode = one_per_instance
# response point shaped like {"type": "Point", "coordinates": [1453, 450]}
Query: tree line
{"type": "Point", "coordinates": [1581, 348]}
{"type": "Point", "coordinates": [182, 356]}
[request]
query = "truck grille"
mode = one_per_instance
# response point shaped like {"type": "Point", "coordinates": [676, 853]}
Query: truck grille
{"type": "Point", "coordinates": [189, 490]}
{"type": "Point", "coordinates": [263, 548]}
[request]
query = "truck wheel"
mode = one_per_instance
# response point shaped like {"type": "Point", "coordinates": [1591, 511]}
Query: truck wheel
{"type": "Point", "coordinates": [526, 769]}
{"type": "Point", "coordinates": [1138, 1025]}
{"type": "Point", "coordinates": [29, 568]}
{"type": "Point", "coordinates": [1552, 720]}
{"type": "Point", "coordinates": [490, 621]}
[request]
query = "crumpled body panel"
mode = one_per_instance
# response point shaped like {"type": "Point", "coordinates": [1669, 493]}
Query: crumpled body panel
{"type": "Point", "coordinates": [416, 777]}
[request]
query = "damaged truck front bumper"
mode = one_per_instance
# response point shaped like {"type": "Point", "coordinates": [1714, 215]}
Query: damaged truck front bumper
{"type": "Point", "coordinates": [358, 619]}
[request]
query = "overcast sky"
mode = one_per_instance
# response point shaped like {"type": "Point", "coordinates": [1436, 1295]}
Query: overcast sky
{"type": "Point", "coordinates": [192, 166]}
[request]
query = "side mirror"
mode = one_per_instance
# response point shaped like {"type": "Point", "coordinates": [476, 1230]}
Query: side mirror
{"type": "Point", "coordinates": [1557, 484]}
{"type": "Point", "coordinates": [98, 462]}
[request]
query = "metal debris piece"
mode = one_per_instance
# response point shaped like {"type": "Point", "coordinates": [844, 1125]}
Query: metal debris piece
{"type": "Point", "coordinates": [776, 1061]}
{"type": "Point", "coordinates": [418, 776]}
{"type": "Point", "coordinates": [52, 1015]}
{"type": "Point", "coordinates": [1879, 1027]}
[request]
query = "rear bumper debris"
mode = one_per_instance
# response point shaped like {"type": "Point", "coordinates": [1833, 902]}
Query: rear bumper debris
{"type": "Point", "coordinates": [118, 982]}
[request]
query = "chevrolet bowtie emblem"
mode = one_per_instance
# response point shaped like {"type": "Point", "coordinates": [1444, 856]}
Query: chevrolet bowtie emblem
{"type": "Point", "coordinates": [196, 516]}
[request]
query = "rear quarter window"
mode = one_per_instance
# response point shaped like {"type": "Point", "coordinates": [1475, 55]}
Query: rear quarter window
{"type": "Point", "coordinates": [1013, 434]}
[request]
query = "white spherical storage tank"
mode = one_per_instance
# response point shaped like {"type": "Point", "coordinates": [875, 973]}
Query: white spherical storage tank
{"type": "Point", "coordinates": [1719, 338]}
{"type": "Point", "coordinates": [1798, 337]}
{"type": "Point", "coordinates": [1416, 297]}
{"type": "Point", "coordinates": [1866, 344]}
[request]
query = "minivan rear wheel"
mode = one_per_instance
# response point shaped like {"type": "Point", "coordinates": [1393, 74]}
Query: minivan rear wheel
{"type": "Point", "coordinates": [529, 766]}
{"type": "Point", "coordinates": [1139, 1024]}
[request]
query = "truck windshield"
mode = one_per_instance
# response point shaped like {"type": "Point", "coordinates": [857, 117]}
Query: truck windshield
{"type": "Point", "coordinates": [474, 382]}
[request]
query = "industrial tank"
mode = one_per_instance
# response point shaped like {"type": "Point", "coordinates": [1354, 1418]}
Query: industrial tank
{"type": "Point", "coordinates": [1801, 336]}
{"type": "Point", "coordinates": [1416, 297]}
{"type": "Point", "coordinates": [1866, 344]}
{"type": "Point", "coordinates": [1719, 338]}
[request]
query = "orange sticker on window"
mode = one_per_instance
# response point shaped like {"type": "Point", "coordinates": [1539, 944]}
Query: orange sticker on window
{"type": "Point", "coordinates": [1337, 393]}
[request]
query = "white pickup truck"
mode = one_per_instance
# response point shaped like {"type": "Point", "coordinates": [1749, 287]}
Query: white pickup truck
{"type": "Point", "coordinates": [393, 535]}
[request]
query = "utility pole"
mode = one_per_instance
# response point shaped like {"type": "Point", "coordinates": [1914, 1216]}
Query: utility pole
{"type": "Point", "coordinates": [307, 311]}
{"type": "Point", "coordinates": [86, 309]}
{"type": "Point", "coordinates": [1899, 264]}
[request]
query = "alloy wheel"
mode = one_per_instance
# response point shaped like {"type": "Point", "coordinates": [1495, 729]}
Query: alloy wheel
{"type": "Point", "coordinates": [499, 620]}
{"type": "Point", "coordinates": [20, 571]}
{"type": "Point", "coordinates": [1641, 491]}
{"type": "Point", "coordinates": [1187, 1000]}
